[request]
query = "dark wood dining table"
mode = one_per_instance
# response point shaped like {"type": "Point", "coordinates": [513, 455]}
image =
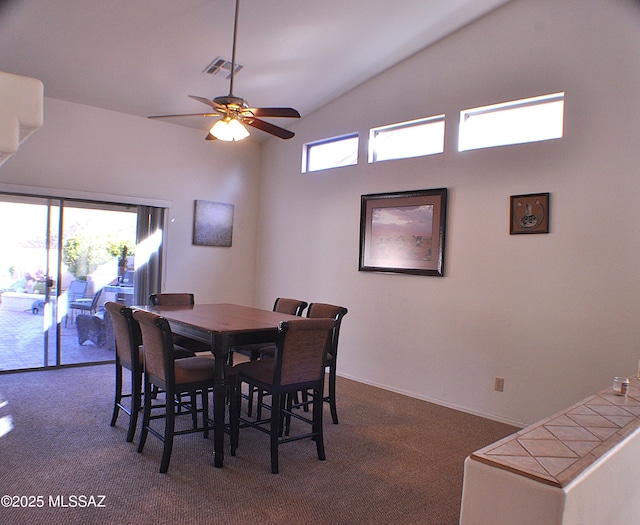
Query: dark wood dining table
{"type": "Point", "coordinates": [221, 326]}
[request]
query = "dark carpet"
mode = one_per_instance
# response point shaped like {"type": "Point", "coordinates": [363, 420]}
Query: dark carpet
{"type": "Point", "coordinates": [391, 460]}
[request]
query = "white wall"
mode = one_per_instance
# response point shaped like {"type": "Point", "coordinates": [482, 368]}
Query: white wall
{"type": "Point", "coordinates": [555, 315]}
{"type": "Point", "coordinates": [86, 149]}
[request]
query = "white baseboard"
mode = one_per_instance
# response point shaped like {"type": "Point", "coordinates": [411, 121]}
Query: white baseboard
{"type": "Point", "coordinates": [493, 417]}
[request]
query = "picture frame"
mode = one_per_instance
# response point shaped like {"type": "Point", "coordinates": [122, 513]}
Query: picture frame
{"type": "Point", "coordinates": [404, 232]}
{"type": "Point", "coordinates": [212, 223]}
{"type": "Point", "coordinates": [529, 213]}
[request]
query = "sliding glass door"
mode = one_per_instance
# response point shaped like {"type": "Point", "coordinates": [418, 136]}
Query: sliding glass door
{"type": "Point", "coordinates": [97, 259]}
{"type": "Point", "coordinates": [60, 261]}
{"type": "Point", "coordinates": [26, 282]}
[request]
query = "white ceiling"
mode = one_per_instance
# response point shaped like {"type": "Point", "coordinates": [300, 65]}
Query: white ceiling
{"type": "Point", "coordinates": [144, 57]}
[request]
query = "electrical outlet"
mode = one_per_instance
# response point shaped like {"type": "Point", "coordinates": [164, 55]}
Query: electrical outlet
{"type": "Point", "coordinates": [499, 384]}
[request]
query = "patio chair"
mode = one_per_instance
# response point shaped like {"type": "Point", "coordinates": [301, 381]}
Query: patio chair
{"type": "Point", "coordinates": [86, 304]}
{"type": "Point", "coordinates": [76, 291]}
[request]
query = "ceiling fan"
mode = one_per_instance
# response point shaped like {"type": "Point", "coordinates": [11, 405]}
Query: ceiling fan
{"type": "Point", "coordinates": [235, 111]}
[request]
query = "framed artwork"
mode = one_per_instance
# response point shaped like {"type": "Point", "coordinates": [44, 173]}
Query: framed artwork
{"type": "Point", "coordinates": [403, 232]}
{"type": "Point", "coordinates": [212, 223]}
{"type": "Point", "coordinates": [529, 213]}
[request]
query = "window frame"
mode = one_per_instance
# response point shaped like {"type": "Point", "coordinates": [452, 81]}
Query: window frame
{"type": "Point", "coordinates": [466, 143]}
{"type": "Point", "coordinates": [415, 123]}
{"type": "Point", "coordinates": [306, 149]}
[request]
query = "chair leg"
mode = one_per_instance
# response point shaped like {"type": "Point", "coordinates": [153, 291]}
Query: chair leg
{"type": "Point", "coordinates": [259, 405]}
{"type": "Point", "coordinates": [136, 401]}
{"type": "Point", "coordinates": [332, 396]}
{"type": "Point", "coordinates": [146, 415]}
{"type": "Point", "coordinates": [275, 430]}
{"type": "Point", "coordinates": [194, 408]}
{"type": "Point", "coordinates": [252, 390]}
{"type": "Point", "coordinates": [291, 399]}
{"type": "Point", "coordinates": [317, 423]}
{"type": "Point", "coordinates": [118, 395]}
{"type": "Point", "coordinates": [205, 412]}
{"type": "Point", "coordinates": [169, 427]}
{"type": "Point", "coordinates": [250, 400]}
{"type": "Point", "coordinates": [234, 416]}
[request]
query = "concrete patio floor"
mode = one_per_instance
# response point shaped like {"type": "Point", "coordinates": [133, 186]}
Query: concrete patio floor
{"type": "Point", "coordinates": [22, 343]}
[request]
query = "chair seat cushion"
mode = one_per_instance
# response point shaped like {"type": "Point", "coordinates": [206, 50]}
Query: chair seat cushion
{"type": "Point", "coordinates": [199, 368]}
{"type": "Point", "coordinates": [261, 370]}
{"type": "Point", "coordinates": [193, 369]}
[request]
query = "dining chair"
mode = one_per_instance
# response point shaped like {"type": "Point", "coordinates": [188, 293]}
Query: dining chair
{"type": "Point", "coordinates": [179, 299]}
{"type": "Point", "coordinates": [128, 341]}
{"type": "Point", "coordinates": [192, 375]}
{"type": "Point", "coordinates": [298, 364]}
{"type": "Point", "coordinates": [281, 305]}
{"type": "Point", "coordinates": [317, 310]}
{"type": "Point", "coordinates": [128, 355]}
{"type": "Point", "coordinates": [172, 299]}
{"type": "Point", "coordinates": [323, 310]}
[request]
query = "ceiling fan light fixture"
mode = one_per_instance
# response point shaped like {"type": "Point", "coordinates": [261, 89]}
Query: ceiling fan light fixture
{"type": "Point", "coordinates": [229, 130]}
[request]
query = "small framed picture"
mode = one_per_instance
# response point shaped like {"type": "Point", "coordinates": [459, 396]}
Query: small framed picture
{"type": "Point", "coordinates": [529, 213]}
{"type": "Point", "coordinates": [212, 223]}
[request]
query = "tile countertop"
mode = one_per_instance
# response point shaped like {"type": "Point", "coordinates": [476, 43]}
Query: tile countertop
{"type": "Point", "coordinates": [557, 449]}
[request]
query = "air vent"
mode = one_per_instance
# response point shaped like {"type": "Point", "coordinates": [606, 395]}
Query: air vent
{"type": "Point", "coordinates": [221, 66]}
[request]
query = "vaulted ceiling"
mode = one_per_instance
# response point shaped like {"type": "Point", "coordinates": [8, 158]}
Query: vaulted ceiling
{"type": "Point", "coordinates": [144, 57]}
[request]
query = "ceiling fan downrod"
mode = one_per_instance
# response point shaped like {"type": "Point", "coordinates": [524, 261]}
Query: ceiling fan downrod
{"type": "Point", "coordinates": [233, 50]}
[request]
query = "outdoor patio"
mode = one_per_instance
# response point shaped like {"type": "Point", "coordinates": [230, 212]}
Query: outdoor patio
{"type": "Point", "coordinates": [22, 343]}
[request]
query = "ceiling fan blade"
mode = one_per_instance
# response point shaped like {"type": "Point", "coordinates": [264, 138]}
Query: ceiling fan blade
{"type": "Point", "coordinates": [187, 115]}
{"type": "Point", "coordinates": [274, 112]}
{"type": "Point", "coordinates": [268, 127]}
{"type": "Point", "coordinates": [208, 102]}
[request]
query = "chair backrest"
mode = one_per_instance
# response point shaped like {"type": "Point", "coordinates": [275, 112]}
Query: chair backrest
{"type": "Point", "coordinates": [127, 335]}
{"type": "Point", "coordinates": [301, 351]}
{"type": "Point", "coordinates": [76, 290]}
{"type": "Point", "coordinates": [157, 341]}
{"type": "Point", "coordinates": [96, 298]}
{"type": "Point", "coordinates": [289, 306]}
{"type": "Point", "coordinates": [323, 310]}
{"type": "Point", "coordinates": [172, 299]}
